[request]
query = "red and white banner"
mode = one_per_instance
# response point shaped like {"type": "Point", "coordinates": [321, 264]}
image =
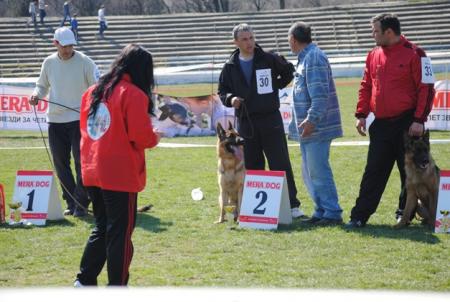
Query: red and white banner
{"type": "Point", "coordinates": [439, 117]}
{"type": "Point", "coordinates": [175, 116]}
{"type": "Point", "coordinates": [15, 111]}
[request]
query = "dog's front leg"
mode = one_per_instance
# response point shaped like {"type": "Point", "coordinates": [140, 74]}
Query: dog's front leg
{"type": "Point", "coordinates": [223, 199]}
{"type": "Point", "coordinates": [411, 204]}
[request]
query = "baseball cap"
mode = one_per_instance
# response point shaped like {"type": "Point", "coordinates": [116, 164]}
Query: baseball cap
{"type": "Point", "coordinates": [64, 36]}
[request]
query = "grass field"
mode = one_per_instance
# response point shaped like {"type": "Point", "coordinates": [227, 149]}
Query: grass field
{"type": "Point", "coordinates": [177, 244]}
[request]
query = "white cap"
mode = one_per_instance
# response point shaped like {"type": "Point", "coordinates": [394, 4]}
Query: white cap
{"type": "Point", "coordinates": [64, 36]}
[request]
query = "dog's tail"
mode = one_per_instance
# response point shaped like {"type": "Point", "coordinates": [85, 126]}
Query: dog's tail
{"type": "Point", "coordinates": [144, 208]}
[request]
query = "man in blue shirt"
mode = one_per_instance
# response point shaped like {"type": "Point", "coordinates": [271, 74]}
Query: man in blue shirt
{"type": "Point", "coordinates": [318, 120]}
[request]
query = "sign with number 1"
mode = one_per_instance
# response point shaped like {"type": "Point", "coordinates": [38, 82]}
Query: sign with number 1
{"type": "Point", "coordinates": [265, 200]}
{"type": "Point", "coordinates": [36, 191]}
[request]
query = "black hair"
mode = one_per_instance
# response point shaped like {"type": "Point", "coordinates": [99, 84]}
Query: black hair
{"type": "Point", "coordinates": [301, 32]}
{"type": "Point", "coordinates": [388, 21]}
{"type": "Point", "coordinates": [133, 60]}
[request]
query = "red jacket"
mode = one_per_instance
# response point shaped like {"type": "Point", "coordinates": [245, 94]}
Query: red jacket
{"type": "Point", "coordinates": [112, 146]}
{"type": "Point", "coordinates": [392, 83]}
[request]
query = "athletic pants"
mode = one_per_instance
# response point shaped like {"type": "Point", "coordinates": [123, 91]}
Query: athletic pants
{"type": "Point", "coordinates": [386, 147]}
{"type": "Point", "coordinates": [110, 240]}
{"type": "Point", "coordinates": [264, 135]}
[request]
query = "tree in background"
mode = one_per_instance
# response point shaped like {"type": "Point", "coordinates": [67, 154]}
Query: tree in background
{"type": "Point", "coordinates": [19, 8]}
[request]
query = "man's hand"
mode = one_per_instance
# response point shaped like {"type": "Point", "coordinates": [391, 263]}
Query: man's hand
{"type": "Point", "coordinates": [307, 127]}
{"type": "Point", "coordinates": [236, 102]}
{"type": "Point", "coordinates": [33, 100]}
{"type": "Point", "coordinates": [361, 126]}
{"type": "Point", "coordinates": [416, 129]}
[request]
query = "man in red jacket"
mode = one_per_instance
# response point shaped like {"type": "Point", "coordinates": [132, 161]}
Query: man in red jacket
{"type": "Point", "coordinates": [398, 88]}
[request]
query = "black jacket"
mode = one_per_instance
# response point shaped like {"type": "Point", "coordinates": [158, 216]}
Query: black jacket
{"type": "Point", "coordinates": [232, 82]}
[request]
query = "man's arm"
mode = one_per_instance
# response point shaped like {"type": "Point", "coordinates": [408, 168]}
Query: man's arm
{"type": "Point", "coordinates": [42, 86]}
{"type": "Point", "coordinates": [365, 91]}
{"type": "Point", "coordinates": [284, 69]}
{"type": "Point", "coordinates": [224, 90]}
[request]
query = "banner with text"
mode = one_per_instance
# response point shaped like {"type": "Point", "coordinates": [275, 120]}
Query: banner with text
{"type": "Point", "coordinates": [175, 116]}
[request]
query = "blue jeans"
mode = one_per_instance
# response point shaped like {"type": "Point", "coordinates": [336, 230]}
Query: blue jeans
{"type": "Point", "coordinates": [318, 179]}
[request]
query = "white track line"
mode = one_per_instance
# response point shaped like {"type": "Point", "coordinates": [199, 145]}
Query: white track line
{"type": "Point", "coordinates": [180, 145]}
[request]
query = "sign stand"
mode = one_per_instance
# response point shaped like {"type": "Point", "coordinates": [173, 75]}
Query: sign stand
{"type": "Point", "coordinates": [442, 223]}
{"type": "Point", "coordinates": [37, 192]}
{"type": "Point", "coordinates": [265, 200]}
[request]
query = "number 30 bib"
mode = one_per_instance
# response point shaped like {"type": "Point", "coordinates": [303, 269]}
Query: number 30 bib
{"type": "Point", "coordinates": [264, 81]}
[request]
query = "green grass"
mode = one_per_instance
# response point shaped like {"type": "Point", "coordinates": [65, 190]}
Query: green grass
{"type": "Point", "coordinates": [177, 244]}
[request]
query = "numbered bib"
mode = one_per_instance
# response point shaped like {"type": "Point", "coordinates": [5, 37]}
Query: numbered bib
{"type": "Point", "coordinates": [427, 71]}
{"type": "Point", "coordinates": [264, 81]}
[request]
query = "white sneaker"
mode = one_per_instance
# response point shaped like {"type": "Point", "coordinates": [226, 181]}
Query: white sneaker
{"type": "Point", "coordinates": [297, 213]}
{"type": "Point", "coordinates": [77, 283]}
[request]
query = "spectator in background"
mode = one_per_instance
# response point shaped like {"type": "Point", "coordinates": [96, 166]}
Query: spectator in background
{"type": "Point", "coordinates": [102, 20]}
{"type": "Point", "coordinates": [66, 12]}
{"type": "Point", "coordinates": [319, 122]}
{"type": "Point", "coordinates": [66, 74]}
{"type": "Point", "coordinates": [74, 26]}
{"type": "Point", "coordinates": [42, 12]}
{"type": "Point", "coordinates": [32, 11]}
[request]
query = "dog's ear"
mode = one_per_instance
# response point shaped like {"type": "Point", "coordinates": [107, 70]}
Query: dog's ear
{"type": "Point", "coordinates": [426, 137]}
{"type": "Point", "coordinates": [230, 126]}
{"type": "Point", "coordinates": [220, 131]}
{"type": "Point", "coordinates": [407, 142]}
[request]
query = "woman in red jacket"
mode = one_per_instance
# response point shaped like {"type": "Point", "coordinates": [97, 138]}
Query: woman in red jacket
{"type": "Point", "coordinates": [115, 130]}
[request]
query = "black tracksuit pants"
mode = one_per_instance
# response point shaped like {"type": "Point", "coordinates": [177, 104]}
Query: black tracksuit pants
{"type": "Point", "coordinates": [110, 240]}
{"type": "Point", "coordinates": [386, 147]}
{"type": "Point", "coordinates": [63, 139]}
{"type": "Point", "coordinates": [264, 135]}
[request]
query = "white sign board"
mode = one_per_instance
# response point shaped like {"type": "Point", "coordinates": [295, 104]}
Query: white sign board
{"type": "Point", "coordinates": [265, 200]}
{"type": "Point", "coordinates": [439, 117]}
{"type": "Point", "coordinates": [37, 192]}
{"type": "Point", "coordinates": [15, 111]}
{"type": "Point", "coordinates": [442, 223]}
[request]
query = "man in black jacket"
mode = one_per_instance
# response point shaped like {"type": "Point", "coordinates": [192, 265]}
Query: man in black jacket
{"type": "Point", "coordinates": [249, 82]}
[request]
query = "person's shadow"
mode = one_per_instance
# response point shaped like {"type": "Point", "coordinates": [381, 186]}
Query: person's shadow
{"type": "Point", "coordinates": [414, 232]}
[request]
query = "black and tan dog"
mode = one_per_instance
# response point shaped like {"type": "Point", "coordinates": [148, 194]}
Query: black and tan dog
{"type": "Point", "coordinates": [231, 169]}
{"type": "Point", "coordinates": [422, 180]}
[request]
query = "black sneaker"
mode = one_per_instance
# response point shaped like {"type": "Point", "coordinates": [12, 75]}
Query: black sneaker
{"type": "Point", "coordinates": [355, 224]}
{"type": "Point", "coordinates": [79, 213]}
{"type": "Point", "coordinates": [312, 220]}
{"type": "Point", "coordinates": [328, 221]}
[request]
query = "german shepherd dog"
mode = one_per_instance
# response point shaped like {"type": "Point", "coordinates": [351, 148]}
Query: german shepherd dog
{"type": "Point", "coordinates": [231, 169]}
{"type": "Point", "coordinates": [422, 180]}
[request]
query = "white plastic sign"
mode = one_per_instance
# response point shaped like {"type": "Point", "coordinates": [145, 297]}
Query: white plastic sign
{"type": "Point", "coordinates": [264, 81]}
{"type": "Point", "coordinates": [37, 192]}
{"type": "Point", "coordinates": [427, 71]}
{"type": "Point", "coordinates": [265, 200]}
{"type": "Point", "coordinates": [442, 223]}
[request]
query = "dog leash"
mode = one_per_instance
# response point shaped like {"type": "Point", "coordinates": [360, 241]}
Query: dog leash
{"type": "Point", "coordinates": [49, 155]}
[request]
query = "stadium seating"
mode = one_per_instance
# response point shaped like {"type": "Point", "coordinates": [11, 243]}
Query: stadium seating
{"type": "Point", "coordinates": [189, 39]}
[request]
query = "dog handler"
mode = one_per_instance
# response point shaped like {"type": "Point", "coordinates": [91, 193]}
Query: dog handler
{"type": "Point", "coordinates": [66, 74]}
{"type": "Point", "coordinates": [115, 130]}
{"type": "Point", "coordinates": [249, 82]}
{"type": "Point", "coordinates": [398, 88]}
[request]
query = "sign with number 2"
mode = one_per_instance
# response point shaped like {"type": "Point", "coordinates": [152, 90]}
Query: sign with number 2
{"type": "Point", "coordinates": [265, 201]}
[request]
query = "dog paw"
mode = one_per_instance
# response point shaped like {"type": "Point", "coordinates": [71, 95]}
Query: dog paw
{"type": "Point", "coordinates": [219, 221]}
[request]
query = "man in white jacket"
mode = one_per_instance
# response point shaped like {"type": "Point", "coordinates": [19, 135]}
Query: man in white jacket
{"type": "Point", "coordinates": [66, 74]}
